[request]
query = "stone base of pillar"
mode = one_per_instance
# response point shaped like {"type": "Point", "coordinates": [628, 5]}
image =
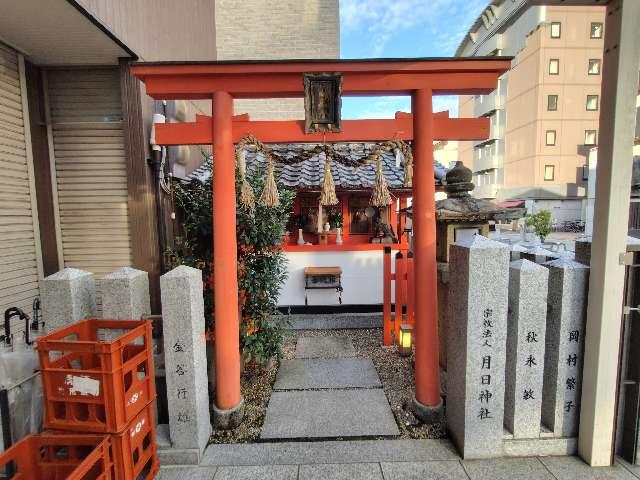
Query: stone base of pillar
{"type": "Point", "coordinates": [426, 413]}
{"type": "Point", "coordinates": [228, 419]}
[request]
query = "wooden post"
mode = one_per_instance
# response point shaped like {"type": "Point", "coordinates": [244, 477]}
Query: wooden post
{"type": "Point", "coordinates": [225, 256]}
{"type": "Point", "coordinates": [427, 370]}
{"type": "Point", "coordinates": [399, 292]}
{"type": "Point", "coordinates": [393, 216]}
{"type": "Point", "coordinates": [346, 217]}
{"type": "Point", "coordinates": [606, 283]}
{"type": "Point", "coordinates": [402, 219]}
{"type": "Point", "coordinates": [410, 291]}
{"type": "Point", "coordinates": [386, 297]}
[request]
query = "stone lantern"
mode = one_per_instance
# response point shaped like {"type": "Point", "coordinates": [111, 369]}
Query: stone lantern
{"type": "Point", "coordinates": [460, 216]}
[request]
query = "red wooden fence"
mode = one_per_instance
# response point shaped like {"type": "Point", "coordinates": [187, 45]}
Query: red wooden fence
{"type": "Point", "coordinates": [400, 281]}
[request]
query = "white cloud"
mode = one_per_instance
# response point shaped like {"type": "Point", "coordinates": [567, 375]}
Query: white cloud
{"type": "Point", "coordinates": [445, 21]}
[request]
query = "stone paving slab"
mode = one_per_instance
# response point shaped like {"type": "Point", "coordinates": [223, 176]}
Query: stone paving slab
{"type": "Point", "coordinates": [308, 373]}
{"type": "Point", "coordinates": [635, 469]}
{"type": "Point", "coordinates": [265, 472]}
{"type": "Point", "coordinates": [186, 473]}
{"type": "Point", "coordinates": [325, 347]}
{"type": "Point", "coordinates": [328, 414]}
{"type": "Point", "coordinates": [354, 451]}
{"type": "Point", "coordinates": [563, 468]}
{"type": "Point", "coordinates": [341, 471]}
{"type": "Point", "coordinates": [506, 469]}
{"type": "Point", "coordinates": [451, 470]}
{"type": "Point", "coordinates": [573, 468]}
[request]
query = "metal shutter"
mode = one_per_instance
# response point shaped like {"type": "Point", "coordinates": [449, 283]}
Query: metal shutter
{"type": "Point", "coordinates": [20, 263]}
{"type": "Point", "coordinates": [85, 113]}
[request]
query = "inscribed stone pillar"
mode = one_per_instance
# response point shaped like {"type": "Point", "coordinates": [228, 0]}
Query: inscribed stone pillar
{"type": "Point", "coordinates": [525, 348]}
{"type": "Point", "coordinates": [125, 294]}
{"type": "Point", "coordinates": [583, 250]}
{"type": "Point", "coordinates": [67, 297]}
{"type": "Point", "coordinates": [185, 358]}
{"type": "Point", "coordinates": [476, 345]}
{"type": "Point", "coordinates": [566, 318]}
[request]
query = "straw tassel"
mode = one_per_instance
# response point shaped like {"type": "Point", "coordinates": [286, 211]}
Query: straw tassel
{"type": "Point", "coordinates": [408, 172]}
{"type": "Point", "coordinates": [270, 197]}
{"type": "Point", "coordinates": [328, 191]}
{"type": "Point", "coordinates": [380, 196]}
{"type": "Point", "coordinates": [247, 197]}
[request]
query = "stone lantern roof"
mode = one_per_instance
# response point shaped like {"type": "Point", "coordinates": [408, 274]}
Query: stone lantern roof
{"type": "Point", "coordinates": [460, 206]}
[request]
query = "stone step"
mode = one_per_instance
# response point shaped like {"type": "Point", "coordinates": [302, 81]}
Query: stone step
{"type": "Point", "coordinates": [314, 452]}
{"type": "Point", "coordinates": [314, 373]}
{"type": "Point", "coordinates": [329, 414]}
{"type": "Point", "coordinates": [325, 347]}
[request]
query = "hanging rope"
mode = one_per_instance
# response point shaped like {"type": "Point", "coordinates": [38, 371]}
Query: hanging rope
{"type": "Point", "coordinates": [328, 188]}
{"type": "Point", "coordinates": [406, 153]}
{"type": "Point", "coordinates": [247, 197]}
{"type": "Point", "coordinates": [380, 196]}
{"type": "Point", "coordinates": [269, 196]}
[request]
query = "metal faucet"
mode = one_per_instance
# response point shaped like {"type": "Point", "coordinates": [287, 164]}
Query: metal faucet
{"type": "Point", "coordinates": [9, 313]}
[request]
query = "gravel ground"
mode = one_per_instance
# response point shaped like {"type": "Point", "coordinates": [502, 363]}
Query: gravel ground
{"type": "Point", "coordinates": [396, 375]}
{"type": "Point", "coordinates": [256, 388]}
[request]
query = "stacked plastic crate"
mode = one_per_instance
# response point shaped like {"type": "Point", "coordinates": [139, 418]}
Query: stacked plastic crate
{"type": "Point", "coordinates": [97, 378]}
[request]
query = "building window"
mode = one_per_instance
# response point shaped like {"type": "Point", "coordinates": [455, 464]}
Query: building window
{"type": "Point", "coordinates": [589, 137]}
{"type": "Point", "coordinates": [554, 66]}
{"type": "Point", "coordinates": [585, 172]}
{"type": "Point", "coordinates": [555, 29]}
{"type": "Point", "coordinates": [596, 30]}
{"type": "Point", "coordinates": [594, 66]}
{"type": "Point", "coordinates": [552, 103]}
{"type": "Point", "coordinates": [549, 172]}
{"type": "Point", "coordinates": [592, 103]}
{"type": "Point", "coordinates": [550, 137]}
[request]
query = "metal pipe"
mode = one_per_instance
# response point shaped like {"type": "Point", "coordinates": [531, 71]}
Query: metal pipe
{"type": "Point", "coordinates": [6, 428]}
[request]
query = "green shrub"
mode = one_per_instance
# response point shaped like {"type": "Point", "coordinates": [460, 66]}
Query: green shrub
{"type": "Point", "coordinates": [541, 221]}
{"type": "Point", "coordinates": [262, 265]}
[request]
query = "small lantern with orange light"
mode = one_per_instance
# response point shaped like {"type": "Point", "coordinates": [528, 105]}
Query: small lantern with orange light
{"type": "Point", "coordinates": [405, 340]}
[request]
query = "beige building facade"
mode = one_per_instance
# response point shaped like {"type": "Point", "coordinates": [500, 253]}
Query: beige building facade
{"type": "Point", "coordinates": [544, 115]}
{"type": "Point", "coordinates": [266, 30]}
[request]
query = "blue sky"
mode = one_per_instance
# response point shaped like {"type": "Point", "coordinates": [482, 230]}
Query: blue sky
{"type": "Point", "coordinates": [402, 28]}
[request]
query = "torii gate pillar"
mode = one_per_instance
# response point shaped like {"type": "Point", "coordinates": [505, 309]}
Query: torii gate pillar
{"type": "Point", "coordinates": [229, 406]}
{"type": "Point", "coordinates": [427, 402]}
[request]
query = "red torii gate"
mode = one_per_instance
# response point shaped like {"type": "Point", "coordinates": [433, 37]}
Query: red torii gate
{"type": "Point", "coordinates": [221, 82]}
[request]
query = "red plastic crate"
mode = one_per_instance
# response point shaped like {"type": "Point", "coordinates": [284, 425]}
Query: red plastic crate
{"type": "Point", "coordinates": [60, 457]}
{"type": "Point", "coordinates": [135, 449]}
{"type": "Point", "coordinates": [93, 384]}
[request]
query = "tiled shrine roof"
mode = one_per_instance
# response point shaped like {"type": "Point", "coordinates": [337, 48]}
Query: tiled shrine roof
{"type": "Point", "coordinates": [308, 174]}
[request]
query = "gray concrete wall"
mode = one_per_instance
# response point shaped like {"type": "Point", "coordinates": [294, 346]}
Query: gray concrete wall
{"type": "Point", "coordinates": [266, 30]}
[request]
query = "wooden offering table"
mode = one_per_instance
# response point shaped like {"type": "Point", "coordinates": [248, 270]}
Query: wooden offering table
{"type": "Point", "coordinates": [322, 278]}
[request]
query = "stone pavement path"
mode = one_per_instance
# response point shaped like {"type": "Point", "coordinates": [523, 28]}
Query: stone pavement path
{"type": "Point", "coordinates": [324, 392]}
{"type": "Point", "coordinates": [380, 460]}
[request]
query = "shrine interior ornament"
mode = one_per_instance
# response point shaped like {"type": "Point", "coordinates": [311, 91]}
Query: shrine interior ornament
{"type": "Point", "coordinates": [380, 197]}
{"type": "Point", "coordinates": [322, 102]}
{"type": "Point", "coordinates": [328, 188]}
